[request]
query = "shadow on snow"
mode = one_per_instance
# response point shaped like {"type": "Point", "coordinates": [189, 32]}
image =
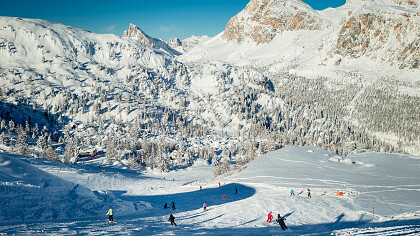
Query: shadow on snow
{"type": "Point", "coordinates": [189, 201]}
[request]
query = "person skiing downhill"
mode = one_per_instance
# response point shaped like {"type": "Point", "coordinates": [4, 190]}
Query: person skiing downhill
{"type": "Point", "coordinates": [292, 193]}
{"type": "Point", "coordinates": [111, 215]}
{"type": "Point", "coordinates": [173, 205]}
{"type": "Point", "coordinates": [309, 193]}
{"type": "Point", "coordinates": [204, 205]}
{"type": "Point", "coordinates": [172, 219]}
{"type": "Point", "coordinates": [281, 220]}
{"type": "Point", "coordinates": [270, 217]}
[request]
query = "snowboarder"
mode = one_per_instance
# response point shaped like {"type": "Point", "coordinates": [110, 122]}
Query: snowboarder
{"type": "Point", "coordinates": [173, 205]}
{"type": "Point", "coordinates": [204, 205]}
{"type": "Point", "coordinates": [111, 215]}
{"type": "Point", "coordinates": [172, 219]}
{"type": "Point", "coordinates": [309, 193]}
{"type": "Point", "coordinates": [292, 193]}
{"type": "Point", "coordinates": [270, 217]}
{"type": "Point", "coordinates": [236, 190]}
{"type": "Point", "coordinates": [165, 206]}
{"type": "Point", "coordinates": [281, 220]}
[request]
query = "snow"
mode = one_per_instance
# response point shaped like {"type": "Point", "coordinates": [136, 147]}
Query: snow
{"type": "Point", "coordinates": [390, 182]}
{"type": "Point", "coordinates": [44, 197]}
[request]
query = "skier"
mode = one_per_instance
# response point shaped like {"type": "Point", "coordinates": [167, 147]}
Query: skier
{"type": "Point", "coordinates": [165, 206]}
{"type": "Point", "coordinates": [236, 190]}
{"type": "Point", "coordinates": [111, 215]}
{"type": "Point", "coordinates": [173, 205]}
{"type": "Point", "coordinates": [201, 188]}
{"type": "Point", "coordinates": [309, 193]}
{"type": "Point", "coordinates": [281, 220]}
{"type": "Point", "coordinates": [270, 217]}
{"type": "Point", "coordinates": [204, 205]}
{"type": "Point", "coordinates": [292, 193]}
{"type": "Point", "coordinates": [219, 184]}
{"type": "Point", "coordinates": [172, 219]}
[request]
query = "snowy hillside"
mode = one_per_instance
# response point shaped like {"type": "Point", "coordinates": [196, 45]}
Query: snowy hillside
{"type": "Point", "coordinates": [388, 182]}
{"type": "Point", "coordinates": [32, 194]}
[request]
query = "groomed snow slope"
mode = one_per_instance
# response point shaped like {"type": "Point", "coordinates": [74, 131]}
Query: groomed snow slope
{"type": "Point", "coordinates": [391, 182]}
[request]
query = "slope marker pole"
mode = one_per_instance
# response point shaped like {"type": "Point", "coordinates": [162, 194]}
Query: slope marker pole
{"type": "Point", "coordinates": [373, 210]}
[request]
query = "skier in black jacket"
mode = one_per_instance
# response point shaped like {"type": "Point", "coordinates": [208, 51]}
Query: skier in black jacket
{"type": "Point", "coordinates": [281, 220]}
{"type": "Point", "coordinates": [172, 219]}
{"type": "Point", "coordinates": [172, 205]}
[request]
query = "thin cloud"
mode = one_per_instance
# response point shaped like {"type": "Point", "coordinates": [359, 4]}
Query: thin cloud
{"type": "Point", "coordinates": [167, 29]}
{"type": "Point", "coordinates": [110, 28]}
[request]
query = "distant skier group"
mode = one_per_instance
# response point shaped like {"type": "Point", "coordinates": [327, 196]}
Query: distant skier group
{"type": "Point", "coordinates": [172, 205]}
{"type": "Point", "coordinates": [280, 220]}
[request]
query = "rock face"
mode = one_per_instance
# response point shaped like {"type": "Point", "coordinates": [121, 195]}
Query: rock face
{"type": "Point", "coordinates": [388, 37]}
{"type": "Point", "coordinates": [262, 20]}
{"type": "Point", "coordinates": [408, 3]}
{"type": "Point", "coordinates": [174, 43]}
{"type": "Point", "coordinates": [135, 32]}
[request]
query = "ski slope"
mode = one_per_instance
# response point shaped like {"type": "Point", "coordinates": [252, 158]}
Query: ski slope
{"type": "Point", "coordinates": [390, 182]}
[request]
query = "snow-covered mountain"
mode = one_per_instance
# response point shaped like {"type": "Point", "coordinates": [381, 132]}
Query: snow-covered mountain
{"type": "Point", "coordinates": [188, 43]}
{"type": "Point", "coordinates": [290, 30]}
{"type": "Point", "coordinates": [136, 33]}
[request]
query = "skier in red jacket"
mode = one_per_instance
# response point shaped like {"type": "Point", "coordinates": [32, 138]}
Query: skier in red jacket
{"type": "Point", "coordinates": [270, 217]}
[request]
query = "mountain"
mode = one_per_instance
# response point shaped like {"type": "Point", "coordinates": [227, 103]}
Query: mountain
{"type": "Point", "coordinates": [188, 43]}
{"type": "Point", "coordinates": [262, 20]}
{"type": "Point", "coordinates": [285, 31]}
{"type": "Point", "coordinates": [136, 33]}
{"type": "Point", "coordinates": [174, 43]}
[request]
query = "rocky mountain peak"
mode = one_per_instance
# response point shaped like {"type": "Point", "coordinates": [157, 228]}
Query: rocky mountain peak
{"type": "Point", "coordinates": [175, 42]}
{"type": "Point", "coordinates": [262, 20]}
{"type": "Point", "coordinates": [135, 32]}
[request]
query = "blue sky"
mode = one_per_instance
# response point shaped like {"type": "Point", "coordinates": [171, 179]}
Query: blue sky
{"type": "Point", "coordinates": [158, 18]}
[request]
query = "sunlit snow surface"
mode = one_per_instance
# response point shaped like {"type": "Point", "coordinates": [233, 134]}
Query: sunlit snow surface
{"type": "Point", "coordinates": [389, 182]}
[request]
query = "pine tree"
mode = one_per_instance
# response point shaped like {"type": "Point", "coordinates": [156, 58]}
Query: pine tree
{"type": "Point", "coordinates": [22, 147]}
{"type": "Point", "coordinates": [71, 152]}
{"type": "Point", "coordinates": [51, 154]}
